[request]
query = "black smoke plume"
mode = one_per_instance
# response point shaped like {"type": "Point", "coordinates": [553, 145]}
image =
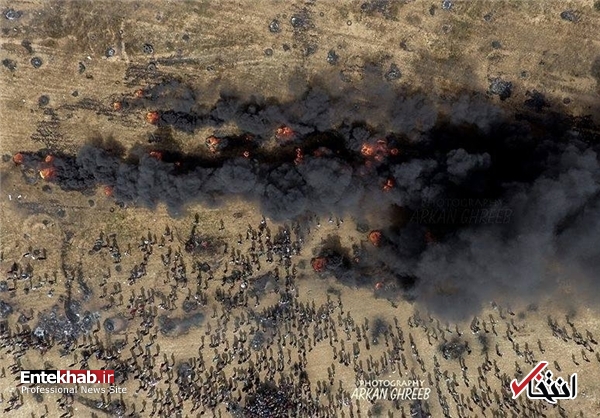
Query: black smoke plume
{"type": "Point", "coordinates": [475, 204]}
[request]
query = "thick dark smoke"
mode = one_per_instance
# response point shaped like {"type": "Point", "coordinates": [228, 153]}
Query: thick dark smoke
{"type": "Point", "coordinates": [478, 205]}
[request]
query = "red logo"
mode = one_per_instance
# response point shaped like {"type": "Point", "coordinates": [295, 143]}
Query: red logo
{"type": "Point", "coordinates": [541, 385]}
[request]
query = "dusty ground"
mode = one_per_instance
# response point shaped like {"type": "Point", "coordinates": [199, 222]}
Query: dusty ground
{"type": "Point", "coordinates": [223, 45]}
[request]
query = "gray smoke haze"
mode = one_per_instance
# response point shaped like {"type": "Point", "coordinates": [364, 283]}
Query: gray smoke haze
{"type": "Point", "coordinates": [460, 162]}
{"type": "Point", "coordinates": [525, 258]}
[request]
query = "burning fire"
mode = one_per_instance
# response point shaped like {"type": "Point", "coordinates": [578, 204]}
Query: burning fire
{"type": "Point", "coordinates": [117, 106]}
{"type": "Point", "coordinates": [299, 156]}
{"type": "Point", "coordinates": [212, 142]}
{"type": "Point", "coordinates": [318, 263]}
{"type": "Point", "coordinates": [139, 93]}
{"type": "Point", "coordinates": [375, 238]}
{"type": "Point", "coordinates": [388, 185]}
{"type": "Point", "coordinates": [108, 191]}
{"type": "Point", "coordinates": [367, 150]}
{"type": "Point", "coordinates": [285, 133]}
{"type": "Point", "coordinates": [246, 154]}
{"type": "Point", "coordinates": [18, 158]}
{"type": "Point", "coordinates": [152, 117]}
{"type": "Point", "coordinates": [378, 151]}
{"type": "Point", "coordinates": [156, 154]}
{"type": "Point", "coordinates": [47, 173]}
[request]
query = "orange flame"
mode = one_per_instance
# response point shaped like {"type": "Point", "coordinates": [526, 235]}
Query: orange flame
{"type": "Point", "coordinates": [212, 142]}
{"type": "Point", "coordinates": [152, 117]}
{"type": "Point", "coordinates": [375, 238]}
{"type": "Point", "coordinates": [156, 154]}
{"type": "Point", "coordinates": [299, 156]}
{"type": "Point", "coordinates": [117, 106]}
{"type": "Point", "coordinates": [285, 133]}
{"type": "Point", "coordinates": [367, 150]}
{"type": "Point", "coordinates": [246, 154]}
{"type": "Point", "coordinates": [47, 173]}
{"type": "Point", "coordinates": [389, 185]}
{"type": "Point", "coordinates": [108, 191]}
{"type": "Point", "coordinates": [378, 151]}
{"type": "Point", "coordinates": [18, 158]}
{"type": "Point", "coordinates": [318, 263]}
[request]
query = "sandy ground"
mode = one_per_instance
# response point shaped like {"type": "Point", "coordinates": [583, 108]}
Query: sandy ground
{"type": "Point", "coordinates": [223, 45]}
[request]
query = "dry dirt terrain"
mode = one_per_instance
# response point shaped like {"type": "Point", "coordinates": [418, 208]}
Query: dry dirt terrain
{"type": "Point", "coordinates": [246, 291]}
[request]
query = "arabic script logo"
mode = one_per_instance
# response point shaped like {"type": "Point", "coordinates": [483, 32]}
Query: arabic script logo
{"type": "Point", "coordinates": [542, 386]}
